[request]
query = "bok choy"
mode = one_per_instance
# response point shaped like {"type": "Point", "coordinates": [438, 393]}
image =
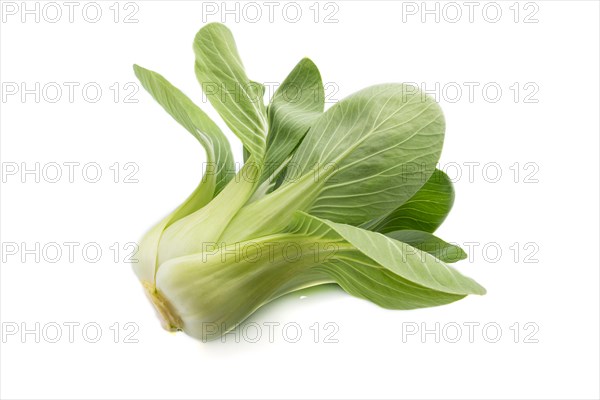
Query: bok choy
{"type": "Point", "coordinates": [350, 196]}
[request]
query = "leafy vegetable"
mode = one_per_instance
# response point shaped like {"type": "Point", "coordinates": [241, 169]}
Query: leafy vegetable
{"type": "Point", "coordinates": [238, 100]}
{"type": "Point", "coordinates": [352, 190]}
{"type": "Point", "coordinates": [425, 211]}
{"type": "Point", "coordinates": [429, 243]}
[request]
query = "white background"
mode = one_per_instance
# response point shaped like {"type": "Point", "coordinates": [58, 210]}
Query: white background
{"type": "Point", "coordinates": [552, 282]}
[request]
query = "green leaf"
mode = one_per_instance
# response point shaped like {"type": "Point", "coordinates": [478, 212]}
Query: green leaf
{"type": "Point", "coordinates": [425, 211]}
{"type": "Point", "coordinates": [296, 104]}
{"type": "Point", "coordinates": [397, 258]}
{"type": "Point", "coordinates": [361, 159]}
{"type": "Point", "coordinates": [433, 245]}
{"type": "Point", "coordinates": [191, 117]}
{"type": "Point", "coordinates": [361, 277]}
{"type": "Point", "coordinates": [381, 145]}
{"type": "Point", "coordinates": [219, 162]}
{"type": "Point", "coordinates": [236, 98]}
